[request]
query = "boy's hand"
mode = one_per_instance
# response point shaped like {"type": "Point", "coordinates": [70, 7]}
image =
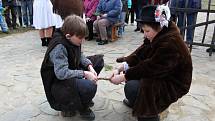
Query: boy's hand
{"type": "Point", "coordinates": [91, 69]}
{"type": "Point", "coordinates": [90, 76]}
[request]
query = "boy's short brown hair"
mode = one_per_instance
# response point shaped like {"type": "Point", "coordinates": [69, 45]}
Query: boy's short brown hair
{"type": "Point", "coordinates": [74, 25]}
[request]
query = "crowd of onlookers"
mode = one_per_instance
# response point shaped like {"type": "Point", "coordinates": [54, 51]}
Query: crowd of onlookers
{"type": "Point", "coordinates": [99, 15]}
{"type": "Point", "coordinates": [10, 10]}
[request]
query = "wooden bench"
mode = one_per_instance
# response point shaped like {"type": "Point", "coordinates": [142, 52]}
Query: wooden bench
{"type": "Point", "coordinates": [113, 31]}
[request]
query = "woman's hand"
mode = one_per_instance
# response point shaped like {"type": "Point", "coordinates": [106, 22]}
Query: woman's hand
{"type": "Point", "coordinates": [118, 79]}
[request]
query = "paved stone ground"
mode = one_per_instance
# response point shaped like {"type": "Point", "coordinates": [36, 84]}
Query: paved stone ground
{"type": "Point", "coordinates": [23, 99]}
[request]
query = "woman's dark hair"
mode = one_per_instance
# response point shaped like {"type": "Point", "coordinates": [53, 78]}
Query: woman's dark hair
{"type": "Point", "coordinates": [154, 25]}
{"type": "Point", "coordinates": [67, 7]}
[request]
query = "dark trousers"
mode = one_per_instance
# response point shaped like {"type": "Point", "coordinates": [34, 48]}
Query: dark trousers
{"type": "Point", "coordinates": [90, 29]}
{"type": "Point", "coordinates": [87, 90]}
{"type": "Point", "coordinates": [72, 94]}
{"type": "Point", "coordinates": [19, 13]}
{"type": "Point", "coordinates": [131, 90]}
{"type": "Point", "coordinates": [11, 10]}
{"type": "Point", "coordinates": [27, 11]}
{"type": "Point", "coordinates": [127, 16]}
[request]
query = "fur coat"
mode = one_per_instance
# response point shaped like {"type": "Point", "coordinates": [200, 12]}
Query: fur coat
{"type": "Point", "coordinates": [164, 68]}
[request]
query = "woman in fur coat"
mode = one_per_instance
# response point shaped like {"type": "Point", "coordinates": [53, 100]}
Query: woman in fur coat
{"type": "Point", "coordinates": [159, 72]}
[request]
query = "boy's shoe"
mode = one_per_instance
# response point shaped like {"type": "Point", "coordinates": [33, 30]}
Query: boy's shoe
{"type": "Point", "coordinates": [103, 42]}
{"type": "Point", "coordinates": [87, 114]}
{"type": "Point", "coordinates": [68, 113]}
{"type": "Point", "coordinates": [210, 49]}
{"type": "Point", "coordinates": [127, 103]}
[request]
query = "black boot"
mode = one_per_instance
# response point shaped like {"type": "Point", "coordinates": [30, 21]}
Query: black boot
{"type": "Point", "coordinates": [210, 49]}
{"type": "Point", "coordinates": [48, 40]}
{"type": "Point", "coordinates": [87, 114]}
{"type": "Point", "coordinates": [127, 103]}
{"type": "Point", "coordinates": [68, 113]}
{"type": "Point", "coordinates": [103, 42]}
{"type": "Point", "coordinates": [43, 41]}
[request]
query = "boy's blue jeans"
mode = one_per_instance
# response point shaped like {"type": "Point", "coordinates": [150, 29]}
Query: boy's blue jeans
{"type": "Point", "coordinates": [86, 89]}
{"type": "Point", "coordinates": [3, 24]}
{"type": "Point", "coordinates": [27, 11]}
{"type": "Point", "coordinates": [190, 19]}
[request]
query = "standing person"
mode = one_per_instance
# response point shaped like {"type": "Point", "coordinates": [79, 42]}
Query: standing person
{"type": "Point", "coordinates": [3, 24]}
{"type": "Point", "coordinates": [159, 72]}
{"type": "Point", "coordinates": [69, 77]}
{"type": "Point", "coordinates": [122, 17]}
{"type": "Point", "coordinates": [10, 9]}
{"type": "Point", "coordinates": [190, 18]}
{"type": "Point", "coordinates": [44, 20]}
{"type": "Point", "coordinates": [130, 11]}
{"type": "Point", "coordinates": [89, 9]}
{"type": "Point", "coordinates": [108, 13]}
{"type": "Point", "coordinates": [27, 11]}
{"type": "Point", "coordinates": [19, 12]}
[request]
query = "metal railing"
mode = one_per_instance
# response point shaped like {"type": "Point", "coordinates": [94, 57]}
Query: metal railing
{"type": "Point", "coordinates": [177, 8]}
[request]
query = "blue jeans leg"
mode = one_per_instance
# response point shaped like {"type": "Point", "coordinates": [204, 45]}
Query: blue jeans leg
{"type": "Point", "coordinates": [87, 90]}
{"type": "Point", "coordinates": [30, 10]}
{"type": "Point", "coordinates": [181, 21]}
{"type": "Point", "coordinates": [3, 24]}
{"type": "Point", "coordinates": [122, 20]}
{"type": "Point", "coordinates": [131, 90]}
{"type": "Point", "coordinates": [27, 11]}
{"type": "Point", "coordinates": [191, 20]}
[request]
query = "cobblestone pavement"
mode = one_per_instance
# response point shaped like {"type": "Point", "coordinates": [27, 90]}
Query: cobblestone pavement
{"type": "Point", "coordinates": [22, 95]}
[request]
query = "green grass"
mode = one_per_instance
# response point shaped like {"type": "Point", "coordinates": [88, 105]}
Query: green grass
{"type": "Point", "coordinates": [108, 67]}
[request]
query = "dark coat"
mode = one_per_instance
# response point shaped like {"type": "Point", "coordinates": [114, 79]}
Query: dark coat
{"type": "Point", "coordinates": [164, 68]}
{"type": "Point", "coordinates": [62, 95]}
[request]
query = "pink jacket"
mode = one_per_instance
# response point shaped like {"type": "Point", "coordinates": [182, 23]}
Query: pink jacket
{"type": "Point", "coordinates": [90, 8]}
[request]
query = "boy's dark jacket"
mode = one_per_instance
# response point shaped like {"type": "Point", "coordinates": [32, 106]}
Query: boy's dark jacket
{"type": "Point", "coordinates": [164, 68]}
{"type": "Point", "coordinates": [52, 85]}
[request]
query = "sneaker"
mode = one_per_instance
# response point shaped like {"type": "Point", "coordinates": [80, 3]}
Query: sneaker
{"type": "Point", "coordinates": [127, 103]}
{"type": "Point", "coordinates": [68, 113]}
{"type": "Point", "coordinates": [87, 114]}
{"type": "Point", "coordinates": [210, 49]}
